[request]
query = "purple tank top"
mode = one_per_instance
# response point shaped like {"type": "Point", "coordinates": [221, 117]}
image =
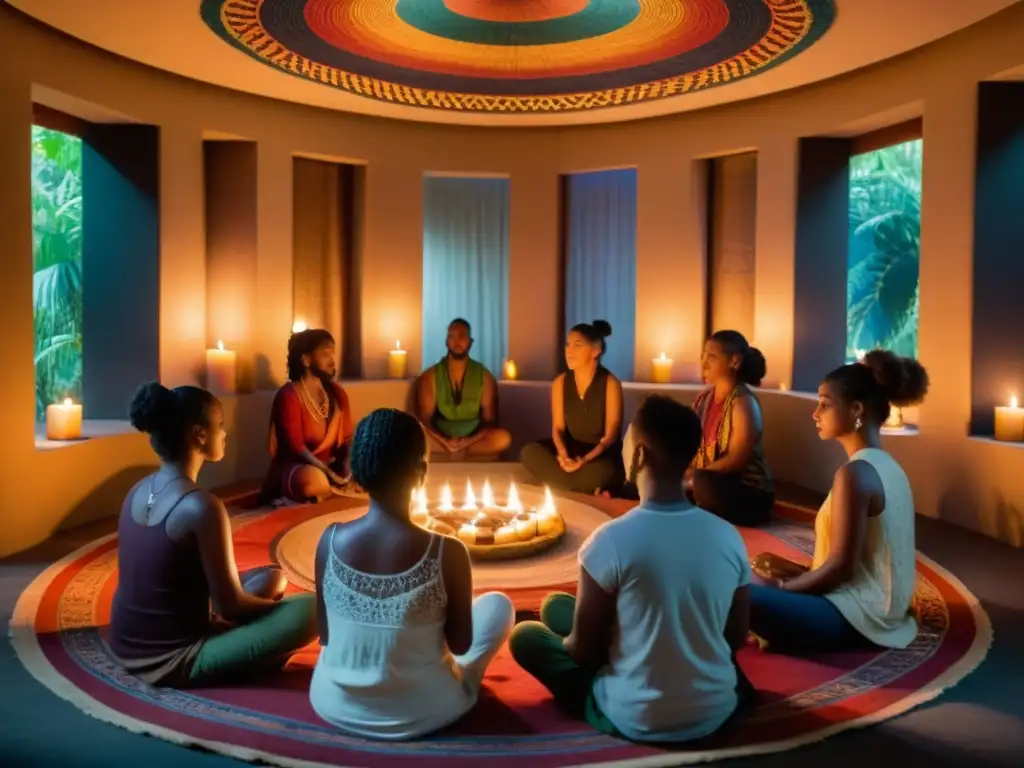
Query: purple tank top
{"type": "Point", "coordinates": [162, 601]}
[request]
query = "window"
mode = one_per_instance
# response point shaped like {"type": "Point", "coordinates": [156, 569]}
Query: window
{"type": "Point", "coordinates": [884, 250]}
{"type": "Point", "coordinates": [57, 265]}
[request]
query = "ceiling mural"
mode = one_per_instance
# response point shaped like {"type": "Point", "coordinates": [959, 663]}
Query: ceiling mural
{"type": "Point", "coordinates": [520, 56]}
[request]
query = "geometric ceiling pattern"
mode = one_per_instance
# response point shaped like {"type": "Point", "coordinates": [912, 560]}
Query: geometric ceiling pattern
{"type": "Point", "coordinates": [520, 56]}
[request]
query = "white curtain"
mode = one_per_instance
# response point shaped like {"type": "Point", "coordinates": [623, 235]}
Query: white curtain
{"type": "Point", "coordinates": [600, 270]}
{"type": "Point", "coordinates": [465, 264]}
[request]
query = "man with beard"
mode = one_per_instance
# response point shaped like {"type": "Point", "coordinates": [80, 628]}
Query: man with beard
{"type": "Point", "coordinates": [457, 402]}
{"type": "Point", "coordinates": [310, 424]}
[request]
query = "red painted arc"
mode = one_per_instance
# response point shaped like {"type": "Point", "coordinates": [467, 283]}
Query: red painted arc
{"type": "Point", "coordinates": [705, 20]}
{"type": "Point", "coordinates": [516, 10]}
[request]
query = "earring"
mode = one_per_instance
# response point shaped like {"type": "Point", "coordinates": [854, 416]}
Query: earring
{"type": "Point", "coordinates": [858, 424]}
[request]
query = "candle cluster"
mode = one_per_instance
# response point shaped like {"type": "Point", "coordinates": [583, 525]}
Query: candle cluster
{"type": "Point", "coordinates": [484, 521]}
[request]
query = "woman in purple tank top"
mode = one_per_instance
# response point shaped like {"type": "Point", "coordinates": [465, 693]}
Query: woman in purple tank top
{"type": "Point", "coordinates": [182, 614]}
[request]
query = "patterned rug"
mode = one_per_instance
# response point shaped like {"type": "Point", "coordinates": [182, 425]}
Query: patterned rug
{"type": "Point", "coordinates": [60, 621]}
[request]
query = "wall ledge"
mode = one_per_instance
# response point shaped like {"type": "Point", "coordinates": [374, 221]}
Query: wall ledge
{"type": "Point", "coordinates": [92, 429]}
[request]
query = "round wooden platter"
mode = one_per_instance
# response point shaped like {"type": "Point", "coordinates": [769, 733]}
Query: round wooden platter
{"type": "Point", "coordinates": [518, 549]}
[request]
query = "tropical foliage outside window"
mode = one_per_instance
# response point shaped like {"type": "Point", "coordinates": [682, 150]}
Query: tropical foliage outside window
{"type": "Point", "coordinates": [57, 260]}
{"type": "Point", "coordinates": [884, 250]}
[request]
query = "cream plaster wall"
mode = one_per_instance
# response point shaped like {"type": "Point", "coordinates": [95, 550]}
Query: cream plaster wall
{"type": "Point", "coordinates": [973, 483]}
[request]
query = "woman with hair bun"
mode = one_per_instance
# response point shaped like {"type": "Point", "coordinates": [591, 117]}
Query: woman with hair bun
{"type": "Point", "coordinates": [584, 452]}
{"type": "Point", "coordinates": [730, 476]}
{"type": "Point", "coordinates": [175, 558]}
{"type": "Point", "coordinates": [859, 588]}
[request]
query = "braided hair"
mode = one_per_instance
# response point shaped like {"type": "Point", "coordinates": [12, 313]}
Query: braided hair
{"type": "Point", "coordinates": [388, 446]}
{"type": "Point", "coordinates": [304, 343]}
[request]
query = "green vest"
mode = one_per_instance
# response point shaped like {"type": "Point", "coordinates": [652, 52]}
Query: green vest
{"type": "Point", "coordinates": [462, 419]}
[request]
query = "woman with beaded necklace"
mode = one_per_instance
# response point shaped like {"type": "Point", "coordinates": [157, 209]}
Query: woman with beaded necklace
{"type": "Point", "coordinates": [310, 424]}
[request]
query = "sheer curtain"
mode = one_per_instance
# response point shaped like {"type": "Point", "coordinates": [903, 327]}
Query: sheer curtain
{"type": "Point", "coordinates": [465, 264]}
{"type": "Point", "coordinates": [600, 269]}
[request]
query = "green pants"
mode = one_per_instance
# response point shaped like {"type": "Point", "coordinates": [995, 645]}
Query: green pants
{"type": "Point", "coordinates": [259, 646]}
{"type": "Point", "coordinates": [538, 648]}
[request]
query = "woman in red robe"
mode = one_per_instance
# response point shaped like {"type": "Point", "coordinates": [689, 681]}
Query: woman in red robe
{"type": "Point", "coordinates": [310, 424]}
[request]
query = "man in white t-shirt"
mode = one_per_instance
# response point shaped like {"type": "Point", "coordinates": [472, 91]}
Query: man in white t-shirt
{"type": "Point", "coordinates": [646, 651]}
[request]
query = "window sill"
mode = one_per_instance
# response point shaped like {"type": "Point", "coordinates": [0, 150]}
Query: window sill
{"type": "Point", "coordinates": [92, 429]}
{"type": "Point", "coordinates": [990, 440]}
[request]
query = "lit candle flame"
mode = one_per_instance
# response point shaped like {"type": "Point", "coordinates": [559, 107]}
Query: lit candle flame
{"type": "Point", "coordinates": [299, 326]}
{"type": "Point", "coordinates": [662, 357]}
{"type": "Point", "coordinates": [1013, 401]}
{"type": "Point", "coordinates": [446, 499]}
{"type": "Point", "coordinates": [470, 501]}
{"type": "Point", "coordinates": [487, 495]}
{"type": "Point", "coordinates": [220, 345]}
{"type": "Point", "coordinates": [513, 504]}
{"type": "Point", "coordinates": [548, 507]}
{"type": "Point", "coordinates": [480, 517]}
{"type": "Point", "coordinates": [398, 345]}
{"type": "Point", "coordinates": [421, 500]}
{"type": "Point", "coordinates": [67, 402]}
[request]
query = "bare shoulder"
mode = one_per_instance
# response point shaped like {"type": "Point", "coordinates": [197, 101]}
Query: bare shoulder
{"type": "Point", "coordinates": [200, 506]}
{"type": "Point", "coordinates": [559, 381]}
{"type": "Point", "coordinates": [857, 476]}
{"type": "Point", "coordinates": [614, 384]}
{"type": "Point", "coordinates": [455, 555]}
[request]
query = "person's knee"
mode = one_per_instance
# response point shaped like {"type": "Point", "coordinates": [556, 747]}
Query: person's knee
{"type": "Point", "coordinates": [497, 608]}
{"type": "Point", "coordinates": [522, 641]}
{"type": "Point", "coordinates": [302, 624]}
{"type": "Point", "coordinates": [499, 440]}
{"type": "Point", "coordinates": [310, 483]}
{"type": "Point", "coordinates": [555, 607]}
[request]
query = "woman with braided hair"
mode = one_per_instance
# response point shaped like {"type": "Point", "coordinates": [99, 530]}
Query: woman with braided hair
{"type": "Point", "coordinates": [310, 424]}
{"type": "Point", "coordinates": [404, 644]}
{"type": "Point", "coordinates": [859, 589]}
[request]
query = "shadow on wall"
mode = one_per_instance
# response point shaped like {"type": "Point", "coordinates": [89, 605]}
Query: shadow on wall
{"type": "Point", "coordinates": [105, 500]}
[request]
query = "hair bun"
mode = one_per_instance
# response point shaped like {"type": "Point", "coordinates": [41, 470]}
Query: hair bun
{"type": "Point", "coordinates": [754, 367]}
{"type": "Point", "coordinates": [903, 379]}
{"type": "Point", "coordinates": [603, 328]}
{"type": "Point", "coordinates": [152, 405]}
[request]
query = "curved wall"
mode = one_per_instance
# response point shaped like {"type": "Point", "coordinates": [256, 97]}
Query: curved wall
{"type": "Point", "coordinates": [974, 483]}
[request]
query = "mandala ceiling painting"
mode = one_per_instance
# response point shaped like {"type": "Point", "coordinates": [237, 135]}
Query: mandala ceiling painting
{"type": "Point", "coordinates": [520, 56]}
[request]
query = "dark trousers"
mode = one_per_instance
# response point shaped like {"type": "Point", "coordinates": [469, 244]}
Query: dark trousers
{"type": "Point", "coordinates": [728, 497]}
{"type": "Point", "coordinates": [795, 623]}
{"type": "Point", "coordinates": [603, 473]}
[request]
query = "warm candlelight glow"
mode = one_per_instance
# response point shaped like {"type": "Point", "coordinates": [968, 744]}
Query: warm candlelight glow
{"type": "Point", "coordinates": [446, 499]}
{"type": "Point", "coordinates": [467, 533]}
{"type": "Point", "coordinates": [513, 504]}
{"type": "Point", "coordinates": [548, 508]}
{"type": "Point", "coordinates": [397, 362]}
{"type": "Point", "coordinates": [221, 369]}
{"type": "Point", "coordinates": [487, 495]}
{"type": "Point", "coordinates": [511, 371]}
{"type": "Point", "coordinates": [469, 502]}
{"type": "Point", "coordinates": [299, 326]}
{"type": "Point", "coordinates": [661, 372]}
{"type": "Point", "coordinates": [1010, 422]}
{"type": "Point", "coordinates": [506, 534]}
{"type": "Point", "coordinates": [421, 500]}
{"type": "Point", "coordinates": [64, 421]}
{"type": "Point", "coordinates": [783, 386]}
{"type": "Point", "coordinates": [895, 419]}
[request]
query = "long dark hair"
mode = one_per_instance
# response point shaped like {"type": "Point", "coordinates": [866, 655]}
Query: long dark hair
{"type": "Point", "coordinates": [306, 343]}
{"type": "Point", "coordinates": [753, 366]}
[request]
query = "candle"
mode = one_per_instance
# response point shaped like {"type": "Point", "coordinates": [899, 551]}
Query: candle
{"type": "Point", "coordinates": [446, 499]}
{"type": "Point", "coordinates": [1009, 422]}
{"type": "Point", "coordinates": [221, 370]}
{"type": "Point", "coordinates": [467, 533]}
{"type": "Point", "coordinates": [64, 421]}
{"type": "Point", "coordinates": [513, 504]}
{"type": "Point", "coordinates": [397, 359]}
{"type": "Point", "coordinates": [783, 386]}
{"type": "Point", "coordinates": [511, 372]}
{"type": "Point", "coordinates": [526, 527]}
{"type": "Point", "coordinates": [487, 496]}
{"type": "Point", "coordinates": [547, 515]}
{"type": "Point", "coordinates": [419, 513]}
{"type": "Point", "coordinates": [662, 369]}
{"type": "Point", "coordinates": [299, 326]}
{"type": "Point", "coordinates": [506, 534]}
{"type": "Point", "coordinates": [469, 502]}
{"type": "Point", "coordinates": [895, 420]}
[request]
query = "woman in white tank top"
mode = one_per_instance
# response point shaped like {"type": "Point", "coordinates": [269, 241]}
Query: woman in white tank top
{"type": "Point", "coordinates": [860, 586]}
{"type": "Point", "coordinates": [404, 645]}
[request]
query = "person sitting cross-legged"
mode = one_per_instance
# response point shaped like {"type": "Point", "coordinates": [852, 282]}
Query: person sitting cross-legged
{"type": "Point", "coordinates": [457, 402]}
{"type": "Point", "coordinates": [646, 650]}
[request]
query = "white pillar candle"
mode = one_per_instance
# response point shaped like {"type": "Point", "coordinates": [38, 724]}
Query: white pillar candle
{"type": "Point", "coordinates": [526, 527]}
{"type": "Point", "coordinates": [467, 534]}
{"type": "Point", "coordinates": [661, 370]}
{"type": "Point", "coordinates": [506, 534]}
{"type": "Point", "coordinates": [64, 421]}
{"type": "Point", "coordinates": [221, 370]}
{"type": "Point", "coordinates": [895, 420]}
{"type": "Point", "coordinates": [397, 362]}
{"type": "Point", "coordinates": [1010, 422]}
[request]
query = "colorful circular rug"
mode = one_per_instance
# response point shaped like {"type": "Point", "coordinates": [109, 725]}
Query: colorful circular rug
{"type": "Point", "coordinates": [522, 56]}
{"type": "Point", "coordinates": [60, 621]}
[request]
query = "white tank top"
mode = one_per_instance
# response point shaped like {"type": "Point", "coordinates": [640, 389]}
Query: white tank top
{"type": "Point", "coordinates": [386, 671]}
{"type": "Point", "coordinates": [877, 600]}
